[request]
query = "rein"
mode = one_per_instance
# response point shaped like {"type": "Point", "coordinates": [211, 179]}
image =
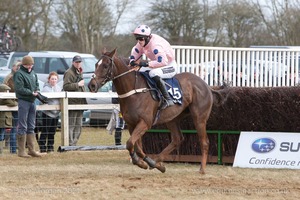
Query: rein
{"type": "Point", "coordinates": [108, 77]}
{"type": "Point", "coordinates": [124, 73]}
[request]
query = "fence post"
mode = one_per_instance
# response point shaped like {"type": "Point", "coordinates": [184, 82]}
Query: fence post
{"type": "Point", "coordinates": [64, 121]}
{"type": "Point", "coordinates": [219, 148]}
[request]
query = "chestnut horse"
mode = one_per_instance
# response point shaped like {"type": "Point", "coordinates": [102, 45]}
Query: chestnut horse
{"type": "Point", "coordinates": [139, 110]}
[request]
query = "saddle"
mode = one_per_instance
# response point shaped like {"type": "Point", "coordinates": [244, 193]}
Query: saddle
{"type": "Point", "coordinates": [172, 85]}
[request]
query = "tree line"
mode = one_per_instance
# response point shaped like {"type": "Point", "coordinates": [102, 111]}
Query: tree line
{"type": "Point", "coordinates": [89, 26]}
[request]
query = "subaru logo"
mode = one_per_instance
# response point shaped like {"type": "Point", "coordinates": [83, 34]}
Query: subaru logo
{"type": "Point", "coordinates": [263, 145]}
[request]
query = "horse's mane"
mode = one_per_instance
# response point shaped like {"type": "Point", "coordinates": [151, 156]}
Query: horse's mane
{"type": "Point", "coordinates": [123, 59]}
{"type": "Point", "coordinates": [126, 60]}
{"type": "Point", "coordinates": [118, 57]}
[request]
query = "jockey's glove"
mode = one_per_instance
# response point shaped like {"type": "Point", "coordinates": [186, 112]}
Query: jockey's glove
{"type": "Point", "coordinates": [144, 64]}
{"type": "Point", "coordinates": [133, 63]}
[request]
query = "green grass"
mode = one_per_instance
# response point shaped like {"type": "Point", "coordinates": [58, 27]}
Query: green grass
{"type": "Point", "coordinates": [94, 136]}
{"type": "Point", "coordinates": [90, 136]}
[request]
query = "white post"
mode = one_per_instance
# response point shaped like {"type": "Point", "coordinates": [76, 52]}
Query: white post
{"type": "Point", "coordinates": [64, 121]}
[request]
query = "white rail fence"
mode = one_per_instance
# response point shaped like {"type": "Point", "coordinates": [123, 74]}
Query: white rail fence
{"type": "Point", "coordinates": [251, 67]}
{"type": "Point", "coordinates": [64, 106]}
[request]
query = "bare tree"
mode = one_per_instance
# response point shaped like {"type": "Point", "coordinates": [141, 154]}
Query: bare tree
{"type": "Point", "coordinates": [239, 22]}
{"type": "Point", "coordinates": [83, 22]}
{"type": "Point", "coordinates": [213, 33]}
{"type": "Point", "coordinates": [281, 19]}
{"type": "Point", "coordinates": [87, 26]}
{"type": "Point", "coordinates": [122, 42]}
{"type": "Point", "coordinates": [180, 21]}
{"type": "Point", "coordinates": [120, 8]}
{"type": "Point", "coordinates": [32, 19]}
{"type": "Point", "coordinates": [194, 22]}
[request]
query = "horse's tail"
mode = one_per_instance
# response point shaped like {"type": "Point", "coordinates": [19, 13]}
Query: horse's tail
{"type": "Point", "coordinates": [217, 97]}
{"type": "Point", "coordinates": [220, 94]}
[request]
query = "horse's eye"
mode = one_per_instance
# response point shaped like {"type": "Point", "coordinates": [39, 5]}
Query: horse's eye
{"type": "Point", "coordinates": [105, 66]}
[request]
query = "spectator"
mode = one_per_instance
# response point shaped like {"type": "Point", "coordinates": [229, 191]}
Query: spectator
{"type": "Point", "coordinates": [10, 82]}
{"type": "Point", "coordinates": [49, 117]}
{"type": "Point", "coordinates": [73, 82]}
{"type": "Point", "coordinates": [119, 121]}
{"type": "Point", "coordinates": [5, 117]}
{"type": "Point", "coordinates": [116, 123]}
{"type": "Point", "coordinates": [26, 89]}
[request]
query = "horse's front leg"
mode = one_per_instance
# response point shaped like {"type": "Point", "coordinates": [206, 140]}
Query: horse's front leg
{"type": "Point", "coordinates": [152, 163]}
{"type": "Point", "coordinates": [134, 147]}
{"type": "Point", "coordinates": [176, 137]}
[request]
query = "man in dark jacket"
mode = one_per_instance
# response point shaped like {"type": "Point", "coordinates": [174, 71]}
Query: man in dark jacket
{"type": "Point", "coordinates": [73, 82]}
{"type": "Point", "coordinates": [26, 89]}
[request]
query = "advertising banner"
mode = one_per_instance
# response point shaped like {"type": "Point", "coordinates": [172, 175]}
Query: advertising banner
{"type": "Point", "coordinates": [268, 150]}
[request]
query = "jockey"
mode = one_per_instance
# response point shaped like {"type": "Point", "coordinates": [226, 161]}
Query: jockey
{"type": "Point", "coordinates": [161, 65]}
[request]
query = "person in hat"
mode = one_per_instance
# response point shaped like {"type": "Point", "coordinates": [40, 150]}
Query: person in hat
{"type": "Point", "coordinates": [116, 122]}
{"type": "Point", "coordinates": [73, 82]}
{"type": "Point", "coordinates": [26, 89]}
{"type": "Point", "coordinates": [162, 62]}
{"type": "Point", "coordinates": [6, 116]}
{"type": "Point", "coordinates": [8, 80]}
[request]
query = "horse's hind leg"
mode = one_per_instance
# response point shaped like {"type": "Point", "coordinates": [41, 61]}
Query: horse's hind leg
{"type": "Point", "coordinates": [200, 112]}
{"type": "Point", "coordinates": [204, 144]}
{"type": "Point", "coordinates": [176, 139]}
{"type": "Point", "coordinates": [200, 124]}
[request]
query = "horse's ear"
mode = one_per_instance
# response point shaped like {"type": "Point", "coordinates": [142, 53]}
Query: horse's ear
{"type": "Point", "coordinates": [103, 51]}
{"type": "Point", "coordinates": [111, 54]}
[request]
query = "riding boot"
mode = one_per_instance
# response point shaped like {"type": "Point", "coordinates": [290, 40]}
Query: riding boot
{"type": "Point", "coordinates": [30, 143]}
{"type": "Point", "coordinates": [118, 136]}
{"type": "Point", "coordinates": [161, 86]}
{"type": "Point", "coordinates": [21, 139]}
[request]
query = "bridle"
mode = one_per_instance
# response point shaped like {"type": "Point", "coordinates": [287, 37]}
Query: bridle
{"type": "Point", "coordinates": [109, 75]}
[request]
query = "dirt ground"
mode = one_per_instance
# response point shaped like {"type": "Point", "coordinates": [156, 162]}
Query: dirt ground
{"type": "Point", "coordinates": [108, 174]}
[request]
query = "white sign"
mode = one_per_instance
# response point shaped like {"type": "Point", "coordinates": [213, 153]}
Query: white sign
{"type": "Point", "coordinates": [268, 150]}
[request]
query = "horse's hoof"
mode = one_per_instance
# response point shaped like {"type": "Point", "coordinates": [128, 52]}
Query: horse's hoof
{"type": "Point", "coordinates": [202, 171]}
{"type": "Point", "coordinates": [160, 167]}
{"type": "Point", "coordinates": [142, 164]}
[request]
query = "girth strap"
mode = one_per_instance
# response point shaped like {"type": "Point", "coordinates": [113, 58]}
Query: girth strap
{"type": "Point", "coordinates": [133, 92]}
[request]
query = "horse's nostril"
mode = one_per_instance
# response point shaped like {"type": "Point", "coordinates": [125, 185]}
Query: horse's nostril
{"type": "Point", "coordinates": [93, 88]}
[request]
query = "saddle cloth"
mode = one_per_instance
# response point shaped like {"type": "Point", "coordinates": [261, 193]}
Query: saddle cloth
{"type": "Point", "coordinates": [172, 85]}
